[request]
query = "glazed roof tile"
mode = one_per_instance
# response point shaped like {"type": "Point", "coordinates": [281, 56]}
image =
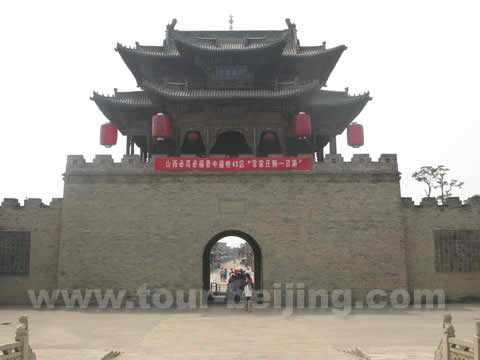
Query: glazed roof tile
{"type": "Point", "coordinates": [241, 42]}
{"type": "Point", "coordinates": [172, 52]}
{"type": "Point", "coordinates": [320, 98]}
{"type": "Point", "coordinates": [149, 51]}
{"type": "Point", "coordinates": [130, 98]}
{"type": "Point", "coordinates": [182, 93]}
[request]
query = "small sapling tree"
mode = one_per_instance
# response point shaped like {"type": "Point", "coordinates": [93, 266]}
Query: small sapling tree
{"type": "Point", "coordinates": [436, 178]}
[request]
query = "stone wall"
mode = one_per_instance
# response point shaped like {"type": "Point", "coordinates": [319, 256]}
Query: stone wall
{"type": "Point", "coordinates": [420, 223]}
{"type": "Point", "coordinates": [337, 226]}
{"type": "Point", "coordinates": [44, 224]}
{"type": "Point", "coordinates": [341, 225]}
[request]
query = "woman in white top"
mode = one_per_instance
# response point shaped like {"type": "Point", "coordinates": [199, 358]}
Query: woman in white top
{"type": "Point", "coordinates": [248, 292]}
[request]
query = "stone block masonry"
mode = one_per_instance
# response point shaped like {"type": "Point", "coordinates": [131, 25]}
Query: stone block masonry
{"type": "Point", "coordinates": [43, 222]}
{"type": "Point", "coordinates": [340, 225]}
{"type": "Point", "coordinates": [461, 224]}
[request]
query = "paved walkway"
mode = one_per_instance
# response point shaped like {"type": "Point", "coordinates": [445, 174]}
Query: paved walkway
{"type": "Point", "coordinates": [215, 274]}
{"type": "Point", "coordinates": [218, 332]}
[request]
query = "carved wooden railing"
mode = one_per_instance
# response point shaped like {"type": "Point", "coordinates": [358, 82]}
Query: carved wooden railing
{"type": "Point", "coordinates": [20, 349]}
{"type": "Point", "coordinates": [452, 348]}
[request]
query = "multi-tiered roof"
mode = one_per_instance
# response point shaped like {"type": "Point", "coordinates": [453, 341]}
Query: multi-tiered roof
{"type": "Point", "coordinates": [259, 71]}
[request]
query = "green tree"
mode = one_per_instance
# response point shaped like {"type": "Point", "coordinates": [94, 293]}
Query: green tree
{"type": "Point", "coordinates": [446, 186]}
{"type": "Point", "coordinates": [427, 175]}
{"type": "Point", "coordinates": [436, 178]}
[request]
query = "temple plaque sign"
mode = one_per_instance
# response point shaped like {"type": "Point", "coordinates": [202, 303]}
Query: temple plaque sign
{"type": "Point", "coordinates": [233, 164]}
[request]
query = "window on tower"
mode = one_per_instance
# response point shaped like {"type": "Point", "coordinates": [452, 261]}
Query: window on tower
{"type": "Point", "coordinates": [14, 252]}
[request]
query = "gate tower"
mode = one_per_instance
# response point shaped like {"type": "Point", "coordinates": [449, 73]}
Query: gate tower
{"type": "Point", "coordinates": [231, 93]}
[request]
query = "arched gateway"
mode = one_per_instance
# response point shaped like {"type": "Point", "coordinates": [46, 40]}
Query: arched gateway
{"type": "Point", "coordinates": [257, 253]}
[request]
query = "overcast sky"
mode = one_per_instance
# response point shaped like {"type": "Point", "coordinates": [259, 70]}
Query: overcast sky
{"type": "Point", "coordinates": [420, 60]}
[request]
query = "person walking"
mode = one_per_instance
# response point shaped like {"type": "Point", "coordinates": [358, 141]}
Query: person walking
{"type": "Point", "coordinates": [248, 292]}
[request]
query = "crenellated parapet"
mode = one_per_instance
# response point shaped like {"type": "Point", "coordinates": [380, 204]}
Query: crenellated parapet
{"type": "Point", "coordinates": [132, 165]}
{"type": "Point", "coordinates": [450, 203]}
{"type": "Point", "coordinates": [30, 203]}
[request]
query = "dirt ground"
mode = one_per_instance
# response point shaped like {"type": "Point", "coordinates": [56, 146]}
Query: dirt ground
{"type": "Point", "coordinates": [233, 334]}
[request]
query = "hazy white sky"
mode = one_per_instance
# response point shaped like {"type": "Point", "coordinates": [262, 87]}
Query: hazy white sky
{"type": "Point", "coordinates": [419, 59]}
{"type": "Point", "coordinates": [233, 241]}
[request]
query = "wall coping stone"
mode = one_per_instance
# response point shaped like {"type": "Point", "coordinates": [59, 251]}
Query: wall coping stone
{"type": "Point", "coordinates": [361, 158]}
{"type": "Point", "coordinates": [407, 201]}
{"type": "Point", "coordinates": [10, 203]}
{"type": "Point", "coordinates": [104, 160]}
{"type": "Point", "coordinates": [131, 165]}
{"type": "Point", "coordinates": [453, 202]}
{"type": "Point", "coordinates": [429, 202]}
{"type": "Point", "coordinates": [450, 203]}
{"type": "Point", "coordinates": [31, 203]}
{"type": "Point", "coordinates": [333, 158]}
{"type": "Point", "coordinates": [388, 158]}
{"type": "Point", "coordinates": [473, 201]}
{"type": "Point", "coordinates": [56, 202]}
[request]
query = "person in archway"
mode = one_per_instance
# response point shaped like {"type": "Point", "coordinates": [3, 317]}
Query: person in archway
{"type": "Point", "coordinates": [248, 293]}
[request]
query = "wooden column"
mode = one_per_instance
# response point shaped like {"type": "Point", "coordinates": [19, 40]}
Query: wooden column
{"type": "Point", "coordinates": [333, 144]}
{"type": "Point", "coordinates": [149, 149]}
{"type": "Point", "coordinates": [128, 145]}
{"type": "Point", "coordinates": [207, 142]}
{"type": "Point", "coordinates": [320, 154]}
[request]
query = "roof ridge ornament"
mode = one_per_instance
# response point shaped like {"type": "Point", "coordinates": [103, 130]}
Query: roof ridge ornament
{"type": "Point", "coordinates": [168, 33]}
{"type": "Point", "coordinates": [230, 21]}
{"type": "Point", "coordinates": [293, 34]}
{"type": "Point", "coordinates": [171, 26]}
{"type": "Point", "coordinates": [290, 24]}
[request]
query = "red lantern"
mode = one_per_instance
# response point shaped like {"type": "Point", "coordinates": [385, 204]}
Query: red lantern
{"type": "Point", "coordinates": [268, 137]}
{"type": "Point", "coordinates": [355, 135]}
{"type": "Point", "coordinates": [192, 136]}
{"type": "Point", "coordinates": [302, 125]}
{"type": "Point", "coordinates": [108, 135]}
{"type": "Point", "coordinates": [160, 126]}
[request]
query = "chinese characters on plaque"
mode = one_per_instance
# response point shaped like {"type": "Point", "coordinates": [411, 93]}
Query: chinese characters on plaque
{"type": "Point", "coordinates": [233, 164]}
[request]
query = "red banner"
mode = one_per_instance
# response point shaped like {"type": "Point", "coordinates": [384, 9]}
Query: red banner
{"type": "Point", "coordinates": [233, 164]}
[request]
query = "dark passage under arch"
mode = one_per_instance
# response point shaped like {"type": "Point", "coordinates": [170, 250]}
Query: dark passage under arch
{"type": "Point", "coordinates": [257, 253]}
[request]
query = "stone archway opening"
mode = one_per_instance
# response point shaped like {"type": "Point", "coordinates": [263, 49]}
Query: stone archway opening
{"type": "Point", "coordinates": [236, 254]}
{"type": "Point", "coordinates": [231, 143]}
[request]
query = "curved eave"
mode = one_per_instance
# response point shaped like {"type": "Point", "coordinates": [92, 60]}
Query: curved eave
{"type": "Point", "coordinates": [185, 45]}
{"type": "Point", "coordinates": [124, 105]}
{"type": "Point", "coordinates": [133, 99]}
{"type": "Point", "coordinates": [147, 51]}
{"type": "Point", "coordinates": [303, 53]}
{"type": "Point", "coordinates": [314, 52]}
{"type": "Point", "coordinates": [182, 94]}
{"type": "Point", "coordinates": [335, 110]}
{"type": "Point", "coordinates": [140, 58]}
{"type": "Point", "coordinates": [314, 62]}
